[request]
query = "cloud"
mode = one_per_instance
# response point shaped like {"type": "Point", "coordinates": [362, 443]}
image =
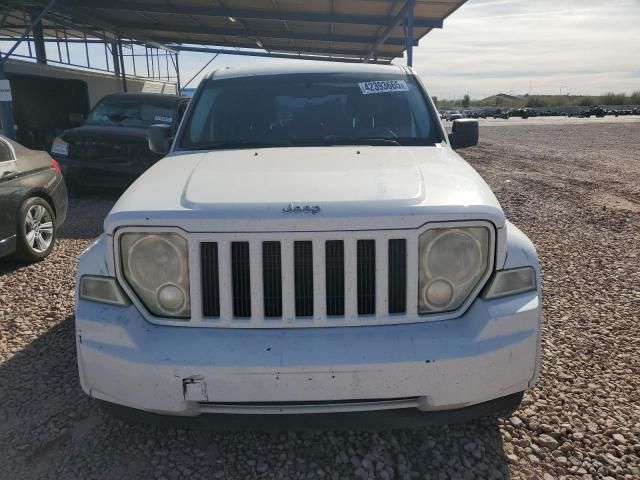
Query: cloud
{"type": "Point", "coordinates": [519, 46]}
{"type": "Point", "coordinates": [491, 46]}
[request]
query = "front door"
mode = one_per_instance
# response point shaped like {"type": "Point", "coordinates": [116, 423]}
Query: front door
{"type": "Point", "coordinates": [9, 198]}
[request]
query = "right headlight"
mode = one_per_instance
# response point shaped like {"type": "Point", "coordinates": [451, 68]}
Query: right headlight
{"type": "Point", "coordinates": [156, 267]}
{"type": "Point", "coordinates": [452, 262]}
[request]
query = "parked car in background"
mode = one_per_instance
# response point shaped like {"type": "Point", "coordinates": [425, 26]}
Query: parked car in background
{"type": "Point", "coordinates": [111, 148]}
{"type": "Point", "coordinates": [33, 201]}
{"type": "Point", "coordinates": [499, 113]}
{"type": "Point", "coordinates": [451, 115]}
{"type": "Point", "coordinates": [312, 243]}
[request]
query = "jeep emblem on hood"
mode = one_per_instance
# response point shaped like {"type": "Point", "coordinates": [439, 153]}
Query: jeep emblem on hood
{"type": "Point", "coordinates": [291, 208]}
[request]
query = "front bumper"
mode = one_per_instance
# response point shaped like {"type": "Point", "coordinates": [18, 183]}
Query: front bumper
{"type": "Point", "coordinates": [490, 352]}
{"type": "Point", "coordinates": [81, 172]}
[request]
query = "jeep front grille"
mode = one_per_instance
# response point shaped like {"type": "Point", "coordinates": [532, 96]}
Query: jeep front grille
{"type": "Point", "coordinates": [303, 280]}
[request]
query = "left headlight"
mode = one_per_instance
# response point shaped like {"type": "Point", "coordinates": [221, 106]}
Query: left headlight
{"type": "Point", "coordinates": [452, 262]}
{"type": "Point", "coordinates": [156, 267]}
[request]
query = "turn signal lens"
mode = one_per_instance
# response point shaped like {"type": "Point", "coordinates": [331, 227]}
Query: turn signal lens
{"type": "Point", "coordinates": [102, 290]}
{"type": "Point", "coordinates": [510, 282]}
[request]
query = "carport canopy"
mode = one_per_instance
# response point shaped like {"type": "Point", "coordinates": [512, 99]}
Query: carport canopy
{"type": "Point", "coordinates": [347, 30]}
{"type": "Point", "coordinates": [337, 30]}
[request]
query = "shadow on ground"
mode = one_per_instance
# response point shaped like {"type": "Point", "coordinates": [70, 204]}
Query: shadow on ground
{"type": "Point", "coordinates": [50, 429]}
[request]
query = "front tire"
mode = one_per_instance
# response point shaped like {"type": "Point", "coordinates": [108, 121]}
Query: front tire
{"type": "Point", "coordinates": [36, 230]}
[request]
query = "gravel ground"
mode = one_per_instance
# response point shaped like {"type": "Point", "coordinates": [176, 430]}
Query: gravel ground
{"type": "Point", "coordinates": [574, 189]}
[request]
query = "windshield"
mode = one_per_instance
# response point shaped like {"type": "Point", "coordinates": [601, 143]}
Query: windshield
{"type": "Point", "coordinates": [132, 111]}
{"type": "Point", "coordinates": [308, 110]}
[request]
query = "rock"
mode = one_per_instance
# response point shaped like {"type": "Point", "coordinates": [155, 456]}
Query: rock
{"type": "Point", "coordinates": [547, 441]}
{"type": "Point", "coordinates": [619, 439]}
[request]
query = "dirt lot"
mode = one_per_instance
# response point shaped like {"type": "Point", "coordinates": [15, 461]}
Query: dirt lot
{"type": "Point", "coordinates": [574, 189]}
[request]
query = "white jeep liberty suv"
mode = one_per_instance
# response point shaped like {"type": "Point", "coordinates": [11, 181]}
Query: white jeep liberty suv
{"type": "Point", "coordinates": [311, 243]}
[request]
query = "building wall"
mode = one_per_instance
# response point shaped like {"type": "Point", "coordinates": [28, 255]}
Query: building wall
{"type": "Point", "coordinates": [98, 84]}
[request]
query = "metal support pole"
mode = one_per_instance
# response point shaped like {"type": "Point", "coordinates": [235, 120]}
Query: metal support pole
{"type": "Point", "coordinates": [115, 58]}
{"type": "Point", "coordinates": [124, 73]}
{"type": "Point", "coordinates": [177, 65]}
{"type": "Point", "coordinates": [133, 57]}
{"type": "Point", "coordinates": [38, 37]}
{"type": "Point", "coordinates": [409, 33]}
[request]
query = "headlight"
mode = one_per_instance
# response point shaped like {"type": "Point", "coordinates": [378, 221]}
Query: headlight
{"type": "Point", "coordinates": [156, 267]}
{"type": "Point", "coordinates": [452, 262]}
{"type": "Point", "coordinates": [60, 147]}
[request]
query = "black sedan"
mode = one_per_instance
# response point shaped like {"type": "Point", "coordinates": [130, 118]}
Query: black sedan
{"type": "Point", "coordinates": [33, 201]}
{"type": "Point", "coordinates": [111, 148]}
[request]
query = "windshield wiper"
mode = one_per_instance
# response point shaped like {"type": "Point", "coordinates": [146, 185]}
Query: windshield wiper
{"type": "Point", "coordinates": [238, 145]}
{"type": "Point", "coordinates": [337, 140]}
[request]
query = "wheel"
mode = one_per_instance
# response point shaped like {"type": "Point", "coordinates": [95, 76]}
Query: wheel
{"type": "Point", "coordinates": [36, 230]}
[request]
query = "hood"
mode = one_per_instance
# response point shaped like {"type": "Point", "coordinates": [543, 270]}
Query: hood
{"type": "Point", "coordinates": [330, 177]}
{"type": "Point", "coordinates": [95, 130]}
{"type": "Point", "coordinates": [402, 187]}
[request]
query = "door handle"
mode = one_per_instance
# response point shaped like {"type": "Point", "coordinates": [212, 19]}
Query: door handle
{"type": "Point", "coordinates": [8, 175]}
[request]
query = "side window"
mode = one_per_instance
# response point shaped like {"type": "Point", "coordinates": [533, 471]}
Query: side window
{"type": "Point", "coordinates": [201, 122]}
{"type": "Point", "coordinates": [5, 152]}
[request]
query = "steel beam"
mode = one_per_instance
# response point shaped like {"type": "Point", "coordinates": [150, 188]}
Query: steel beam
{"type": "Point", "coordinates": [229, 32]}
{"type": "Point", "coordinates": [384, 36]}
{"type": "Point", "coordinates": [54, 40]}
{"type": "Point", "coordinates": [28, 30]}
{"type": "Point", "coordinates": [217, 11]}
{"type": "Point", "coordinates": [295, 50]}
{"type": "Point", "coordinates": [272, 55]}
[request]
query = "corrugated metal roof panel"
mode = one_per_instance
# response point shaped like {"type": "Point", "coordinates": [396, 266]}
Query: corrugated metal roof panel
{"type": "Point", "coordinates": [321, 27]}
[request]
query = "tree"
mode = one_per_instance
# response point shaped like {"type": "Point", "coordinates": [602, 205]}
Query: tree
{"type": "Point", "coordinates": [586, 102]}
{"type": "Point", "coordinates": [466, 101]}
{"type": "Point", "coordinates": [634, 98]}
{"type": "Point", "coordinates": [435, 101]}
{"type": "Point", "coordinates": [611, 98]}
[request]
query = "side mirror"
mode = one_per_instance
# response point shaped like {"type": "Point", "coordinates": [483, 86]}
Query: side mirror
{"type": "Point", "coordinates": [464, 133]}
{"type": "Point", "coordinates": [160, 138]}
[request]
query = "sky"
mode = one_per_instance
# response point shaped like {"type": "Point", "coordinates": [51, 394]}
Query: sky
{"type": "Point", "coordinates": [518, 46]}
{"type": "Point", "coordinates": [586, 47]}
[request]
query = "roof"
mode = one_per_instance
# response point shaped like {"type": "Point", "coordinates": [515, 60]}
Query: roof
{"type": "Point", "coordinates": [353, 29]}
{"type": "Point", "coordinates": [305, 67]}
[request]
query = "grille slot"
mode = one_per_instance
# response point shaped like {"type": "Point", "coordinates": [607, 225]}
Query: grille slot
{"type": "Point", "coordinates": [366, 275]}
{"type": "Point", "coordinates": [334, 265]}
{"type": "Point", "coordinates": [241, 279]}
{"type": "Point", "coordinates": [397, 276]}
{"type": "Point", "coordinates": [210, 280]}
{"type": "Point", "coordinates": [303, 278]}
{"type": "Point", "coordinates": [272, 278]}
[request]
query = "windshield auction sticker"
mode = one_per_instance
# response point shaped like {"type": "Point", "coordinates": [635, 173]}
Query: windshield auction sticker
{"type": "Point", "coordinates": [383, 86]}
{"type": "Point", "coordinates": [162, 118]}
